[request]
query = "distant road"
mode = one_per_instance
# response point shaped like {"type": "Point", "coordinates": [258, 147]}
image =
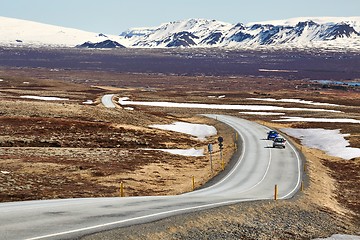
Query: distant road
{"type": "Point", "coordinates": [253, 177]}
{"type": "Point", "coordinates": [107, 100]}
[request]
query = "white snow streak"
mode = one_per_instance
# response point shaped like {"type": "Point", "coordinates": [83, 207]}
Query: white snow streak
{"type": "Point", "coordinates": [277, 70]}
{"type": "Point", "coordinates": [44, 98]}
{"type": "Point", "coordinates": [192, 152]}
{"type": "Point", "coordinates": [88, 102]}
{"type": "Point", "coordinates": [293, 101]}
{"type": "Point", "coordinates": [329, 120]}
{"type": "Point", "coordinates": [263, 113]}
{"type": "Point", "coordinates": [221, 106]}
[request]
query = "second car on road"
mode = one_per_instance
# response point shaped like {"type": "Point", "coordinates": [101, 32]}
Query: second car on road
{"type": "Point", "coordinates": [279, 142]}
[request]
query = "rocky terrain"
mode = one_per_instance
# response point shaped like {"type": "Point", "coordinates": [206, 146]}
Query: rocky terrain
{"type": "Point", "coordinates": [75, 147]}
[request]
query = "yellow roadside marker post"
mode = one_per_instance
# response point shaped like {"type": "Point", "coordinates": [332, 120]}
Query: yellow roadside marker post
{"type": "Point", "coordinates": [193, 183]}
{"type": "Point", "coordinates": [121, 189]}
{"type": "Point", "coordinates": [302, 186]}
{"type": "Point", "coordinates": [276, 192]}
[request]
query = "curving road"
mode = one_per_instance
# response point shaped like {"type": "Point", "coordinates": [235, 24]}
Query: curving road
{"type": "Point", "coordinates": [253, 177]}
{"type": "Point", "coordinates": [107, 101]}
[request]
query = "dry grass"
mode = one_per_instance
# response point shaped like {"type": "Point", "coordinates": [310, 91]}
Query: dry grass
{"type": "Point", "coordinates": [97, 148]}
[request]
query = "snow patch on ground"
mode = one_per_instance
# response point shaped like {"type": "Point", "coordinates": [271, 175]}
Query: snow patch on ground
{"type": "Point", "coordinates": [201, 131]}
{"type": "Point", "coordinates": [221, 96]}
{"type": "Point", "coordinates": [330, 141]}
{"type": "Point", "coordinates": [263, 113]}
{"type": "Point", "coordinates": [292, 101]}
{"type": "Point", "coordinates": [277, 70]}
{"type": "Point", "coordinates": [124, 101]}
{"type": "Point", "coordinates": [45, 98]}
{"type": "Point", "coordinates": [192, 152]}
{"type": "Point", "coordinates": [88, 102]}
{"type": "Point", "coordinates": [329, 120]}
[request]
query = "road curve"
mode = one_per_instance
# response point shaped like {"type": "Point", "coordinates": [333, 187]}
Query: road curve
{"type": "Point", "coordinates": [107, 101]}
{"type": "Point", "coordinates": [253, 177]}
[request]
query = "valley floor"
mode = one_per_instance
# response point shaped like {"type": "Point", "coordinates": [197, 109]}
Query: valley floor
{"type": "Point", "coordinates": [76, 147]}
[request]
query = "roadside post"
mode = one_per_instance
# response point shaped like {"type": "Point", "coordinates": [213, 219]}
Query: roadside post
{"type": "Point", "coordinates": [210, 149]}
{"type": "Point", "coordinates": [121, 189]}
{"type": "Point", "coordinates": [276, 192]}
{"type": "Point", "coordinates": [221, 140]}
{"type": "Point", "coordinates": [302, 186]}
{"type": "Point", "coordinates": [236, 136]}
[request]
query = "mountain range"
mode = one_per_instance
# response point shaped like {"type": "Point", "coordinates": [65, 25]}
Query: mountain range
{"type": "Point", "coordinates": [335, 33]}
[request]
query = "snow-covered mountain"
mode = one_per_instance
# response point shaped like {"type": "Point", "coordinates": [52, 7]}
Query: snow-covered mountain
{"type": "Point", "coordinates": [175, 34]}
{"type": "Point", "coordinates": [306, 33]}
{"type": "Point", "coordinates": [17, 33]}
{"type": "Point", "coordinates": [337, 33]}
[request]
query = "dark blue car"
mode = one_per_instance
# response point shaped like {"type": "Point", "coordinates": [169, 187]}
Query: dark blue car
{"type": "Point", "coordinates": [272, 135]}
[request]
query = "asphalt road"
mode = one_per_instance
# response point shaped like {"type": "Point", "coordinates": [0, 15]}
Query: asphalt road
{"type": "Point", "coordinates": [252, 177]}
{"type": "Point", "coordinates": [107, 100]}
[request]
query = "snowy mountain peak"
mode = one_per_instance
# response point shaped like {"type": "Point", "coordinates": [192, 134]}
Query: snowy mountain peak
{"type": "Point", "coordinates": [193, 24]}
{"type": "Point", "coordinates": [319, 20]}
{"type": "Point", "coordinates": [340, 33]}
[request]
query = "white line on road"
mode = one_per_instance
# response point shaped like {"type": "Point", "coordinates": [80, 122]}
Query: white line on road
{"type": "Point", "coordinates": [143, 217]}
{"type": "Point", "coordinates": [299, 173]}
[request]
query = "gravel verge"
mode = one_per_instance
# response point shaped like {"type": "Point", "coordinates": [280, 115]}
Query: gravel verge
{"type": "Point", "coordinates": [295, 219]}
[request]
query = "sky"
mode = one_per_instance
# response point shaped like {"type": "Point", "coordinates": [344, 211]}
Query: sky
{"type": "Point", "coordinates": [116, 16]}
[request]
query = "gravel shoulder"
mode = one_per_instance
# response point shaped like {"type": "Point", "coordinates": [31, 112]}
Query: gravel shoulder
{"type": "Point", "coordinates": [296, 219]}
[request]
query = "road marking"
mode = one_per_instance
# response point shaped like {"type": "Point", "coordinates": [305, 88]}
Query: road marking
{"type": "Point", "coordinates": [299, 173]}
{"type": "Point", "coordinates": [211, 205]}
{"type": "Point", "coordinates": [267, 170]}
